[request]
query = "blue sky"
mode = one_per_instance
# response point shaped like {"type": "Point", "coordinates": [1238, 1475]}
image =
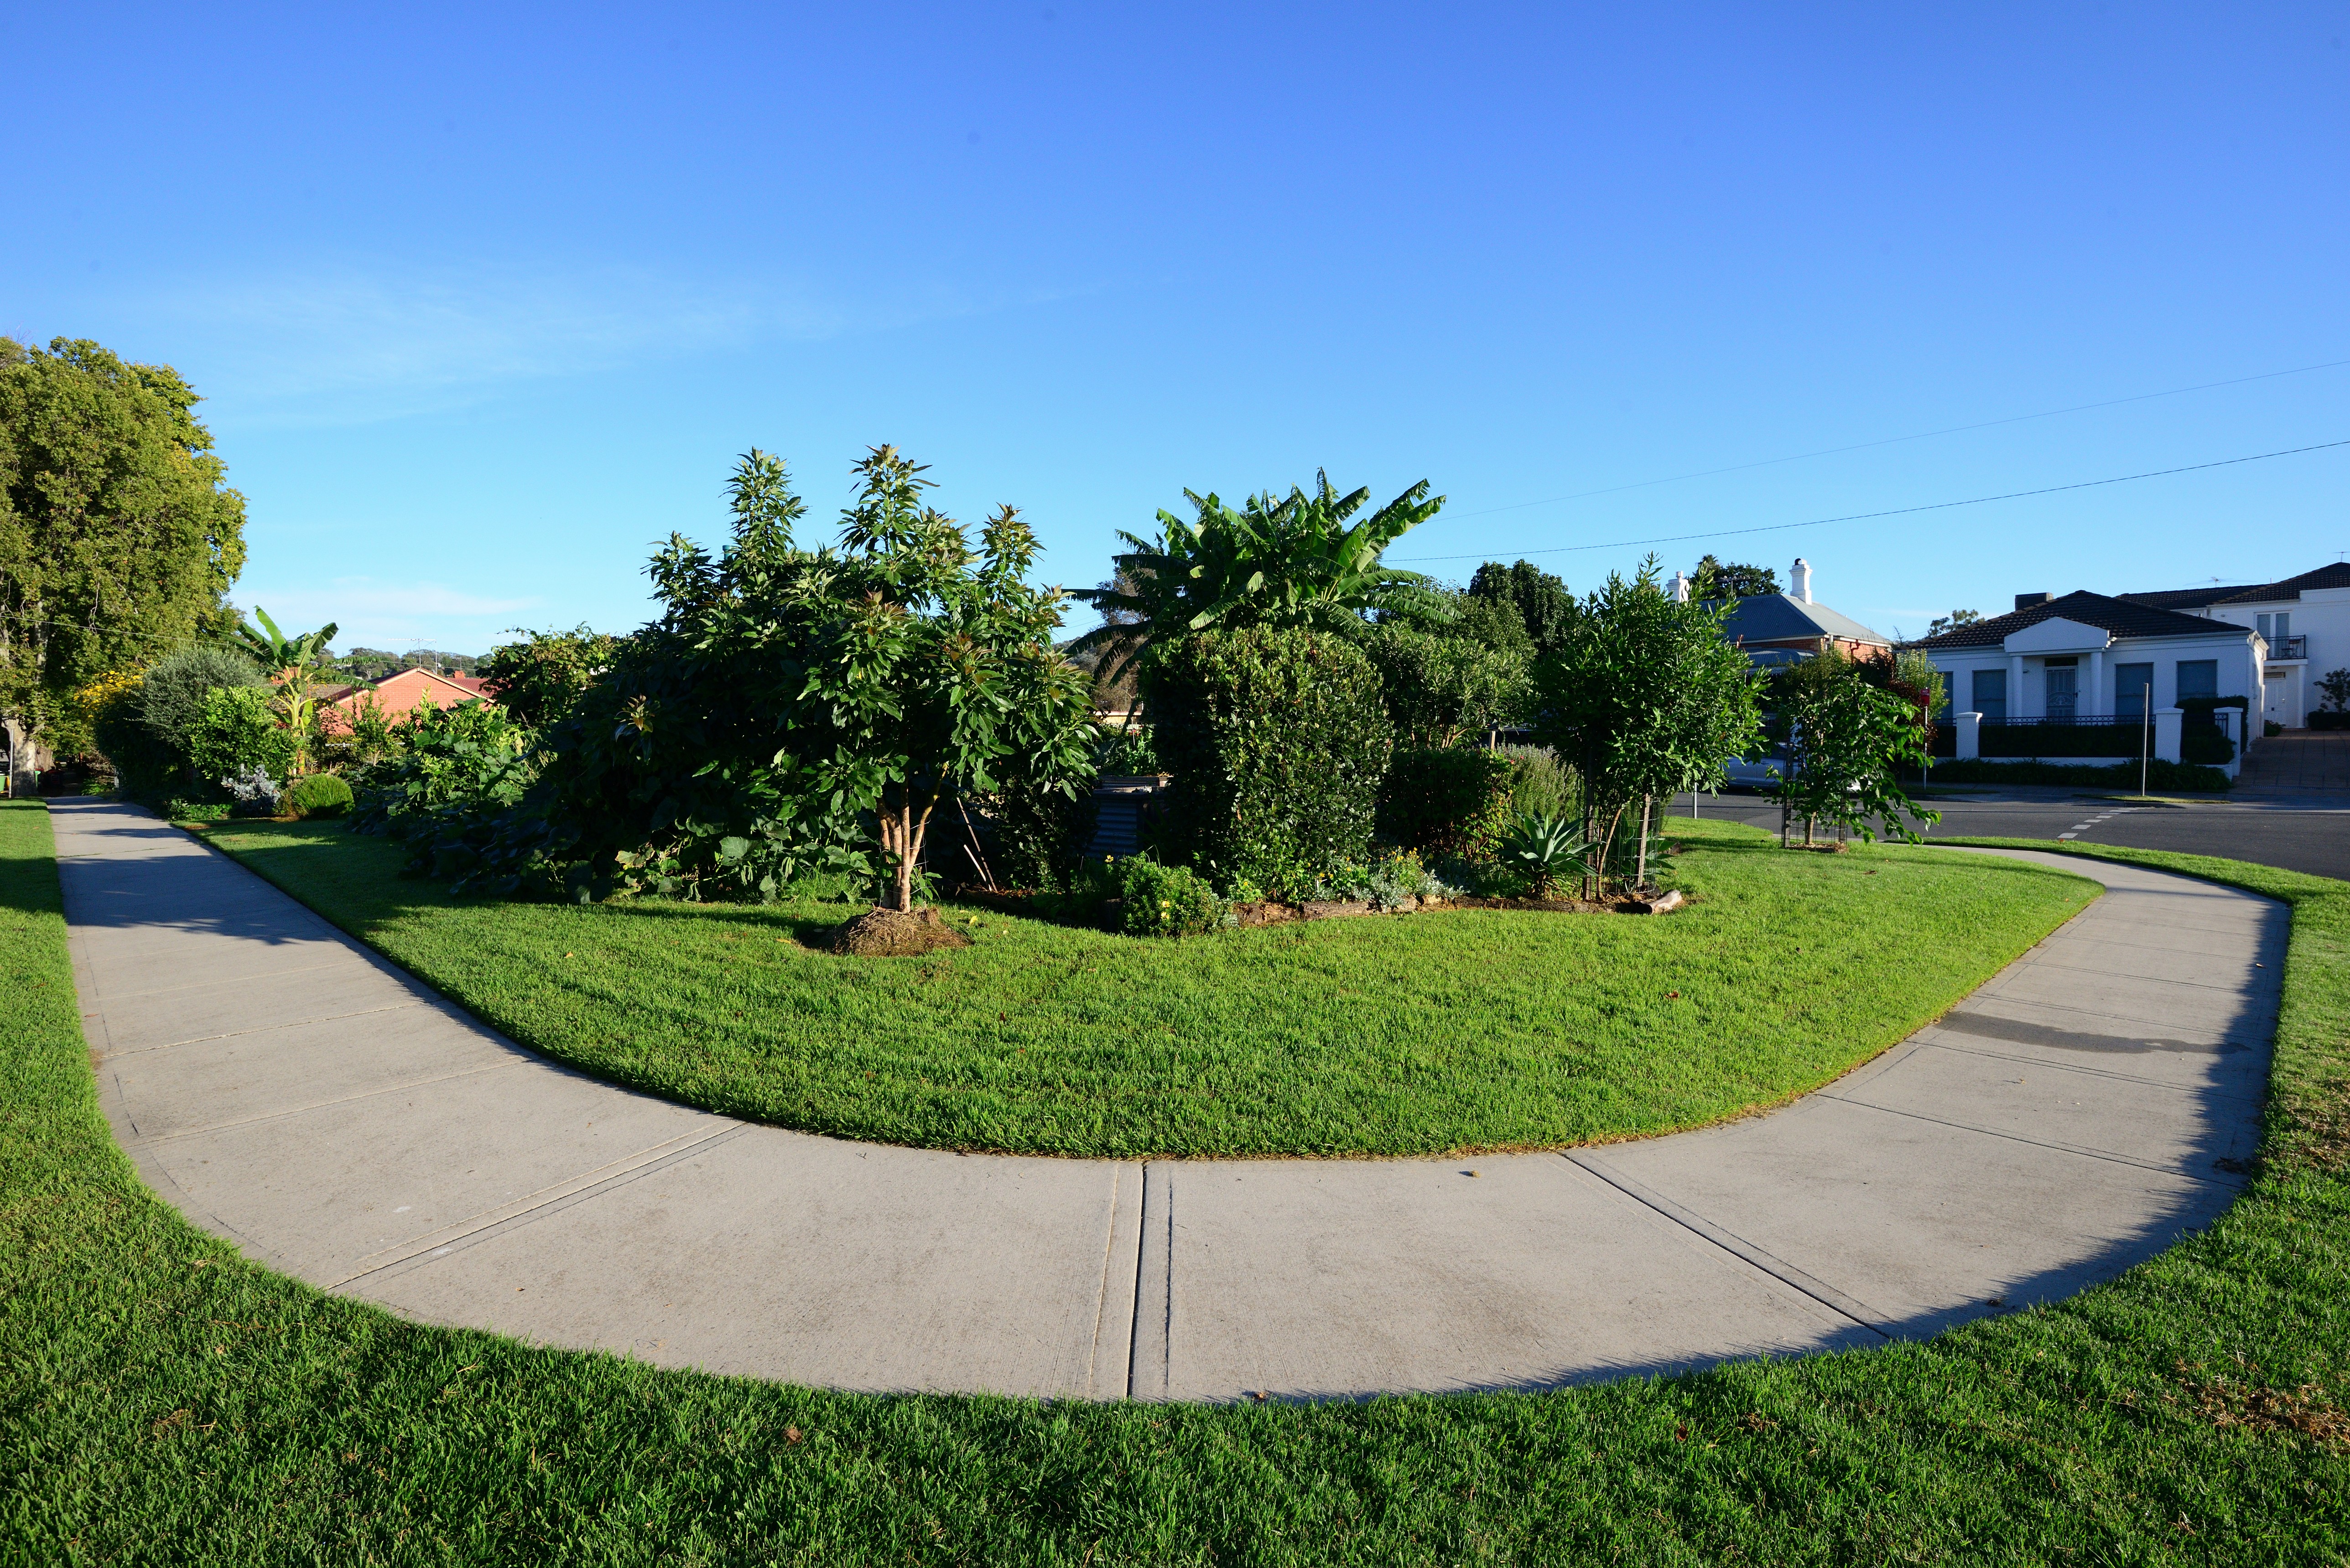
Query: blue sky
{"type": "Point", "coordinates": [486, 305]}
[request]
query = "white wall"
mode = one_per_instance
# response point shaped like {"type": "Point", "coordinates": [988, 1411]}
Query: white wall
{"type": "Point", "coordinates": [2322, 616]}
{"type": "Point", "coordinates": [2239, 675]}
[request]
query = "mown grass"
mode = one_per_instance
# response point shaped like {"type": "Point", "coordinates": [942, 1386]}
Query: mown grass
{"type": "Point", "coordinates": [1414, 1034]}
{"type": "Point", "coordinates": [162, 1401]}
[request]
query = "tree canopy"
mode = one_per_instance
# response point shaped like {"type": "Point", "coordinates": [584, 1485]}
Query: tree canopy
{"type": "Point", "coordinates": [1712, 578]}
{"type": "Point", "coordinates": [1538, 603]}
{"type": "Point", "coordinates": [119, 535]}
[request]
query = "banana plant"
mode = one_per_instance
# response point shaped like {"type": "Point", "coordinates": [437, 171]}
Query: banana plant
{"type": "Point", "coordinates": [295, 664]}
{"type": "Point", "coordinates": [1299, 560]}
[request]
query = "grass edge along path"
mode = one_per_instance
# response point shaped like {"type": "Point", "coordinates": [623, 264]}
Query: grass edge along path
{"type": "Point", "coordinates": [164, 1401]}
{"type": "Point", "coordinates": [1444, 1033]}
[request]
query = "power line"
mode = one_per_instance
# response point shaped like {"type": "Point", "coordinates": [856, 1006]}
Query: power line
{"type": "Point", "coordinates": [1895, 440]}
{"type": "Point", "coordinates": [1890, 512]}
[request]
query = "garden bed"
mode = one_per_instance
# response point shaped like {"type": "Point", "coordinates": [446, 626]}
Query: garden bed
{"type": "Point", "coordinates": [1480, 1029]}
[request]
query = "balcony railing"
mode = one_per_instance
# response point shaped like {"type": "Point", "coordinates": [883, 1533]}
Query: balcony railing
{"type": "Point", "coordinates": [2293, 647]}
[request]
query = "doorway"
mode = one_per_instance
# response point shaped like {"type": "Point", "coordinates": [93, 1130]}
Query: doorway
{"type": "Point", "coordinates": [2063, 692]}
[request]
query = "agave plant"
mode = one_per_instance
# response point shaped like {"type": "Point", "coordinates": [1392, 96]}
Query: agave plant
{"type": "Point", "coordinates": [1547, 848]}
{"type": "Point", "coordinates": [1296, 561]}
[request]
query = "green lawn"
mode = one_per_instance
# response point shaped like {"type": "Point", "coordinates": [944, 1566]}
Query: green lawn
{"type": "Point", "coordinates": [161, 1401]}
{"type": "Point", "coordinates": [1418, 1034]}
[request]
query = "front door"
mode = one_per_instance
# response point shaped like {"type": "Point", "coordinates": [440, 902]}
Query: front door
{"type": "Point", "coordinates": [2062, 692]}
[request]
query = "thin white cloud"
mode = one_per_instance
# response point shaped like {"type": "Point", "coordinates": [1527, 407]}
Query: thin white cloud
{"type": "Point", "coordinates": [376, 613]}
{"type": "Point", "coordinates": [354, 344]}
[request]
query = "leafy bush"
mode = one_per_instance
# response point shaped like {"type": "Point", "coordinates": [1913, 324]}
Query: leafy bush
{"type": "Point", "coordinates": [1278, 741]}
{"type": "Point", "coordinates": [318, 795]}
{"type": "Point", "coordinates": [1546, 850]}
{"type": "Point", "coordinates": [451, 769]}
{"type": "Point", "coordinates": [1453, 800]}
{"type": "Point", "coordinates": [2160, 775]}
{"type": "Point", "coordinates": [1846, 740]}
{"type": "Point", "coordinates": [1167, 900]}
{"type": "Point", "coordinates": [798, 711]}
{"type": "Point", "coordinates": [1041, 825]}
{"type": "Point", "coordinates": [1645, 696]}
{"type": "Point", "coordinates": [238, 733]}
{"type": "Point", "coordinates": [1128, 754]}
{"type": "Point", "coordinates": [181, 808]}
{"type": "Point", "coordinates": [1539, 781]}
{"type": "Point", "coordinates": [2204, 745]}
{"type": "Point", "coordinates": [2334, 687]}
{"type": "Point", "coordinates": [1443, 688]}
{"type": "Point", "coordinates": [143, 765]}
{"type": "Point", "coordinates": [1387, 881]}
{"type": "Point", "coordinates": [541, 679]}
{"type": "Point", "coordinates": [171, 695]}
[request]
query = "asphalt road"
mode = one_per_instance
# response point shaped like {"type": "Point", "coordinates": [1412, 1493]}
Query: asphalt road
{"type": "Point", "coordinates": [2308, 832]}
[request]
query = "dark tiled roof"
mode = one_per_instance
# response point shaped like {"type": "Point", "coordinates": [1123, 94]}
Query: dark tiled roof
{"type": "Point", "coordinates": [2123, 617]}
{"type": "Point", "coordinates": [1778, 618]}
{"type": "Point", "coordinates": [2336, 576]}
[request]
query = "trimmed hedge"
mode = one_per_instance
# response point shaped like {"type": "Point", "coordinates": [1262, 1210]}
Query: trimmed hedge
{"type": "Point", "coordinates": [1278, 739]}
{"type": "Point", "coordinates": [318, 795]}
{"type": "Point", "coordinates": [2160, 775]}
{"type": "Point", "coordinates": [1452, 800]}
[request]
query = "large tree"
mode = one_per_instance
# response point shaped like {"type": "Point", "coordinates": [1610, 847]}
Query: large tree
{"type": "Point", "coordinates": [118, 536]}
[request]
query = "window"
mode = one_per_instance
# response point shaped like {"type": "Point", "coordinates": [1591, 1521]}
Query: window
{"type": "Point", "coordinates": [2197, 678]}
{"type": "Point", "coordinates": [2130, 693]}
{"type": "Point", "coordinates": [2276, 629]}
{"type": "Point", "coordinates": [1991, 693]}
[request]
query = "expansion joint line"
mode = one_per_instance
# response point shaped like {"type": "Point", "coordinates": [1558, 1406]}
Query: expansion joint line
{"type": "Point", "coordinates": [1827, 1295]}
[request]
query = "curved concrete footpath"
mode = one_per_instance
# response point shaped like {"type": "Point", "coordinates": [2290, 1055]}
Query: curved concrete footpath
{"type": "Point", "coordinates": [336, 1120]}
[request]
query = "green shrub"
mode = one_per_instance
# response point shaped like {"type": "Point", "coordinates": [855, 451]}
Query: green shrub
{"type": "Point", "coordinates": [320, 795]}
{"type": "Point", "coordinates": [2206, 747]}
{"type": "Point", "coordinates": [2160, 775]}
{"type": "Point", "coordinates": [1167, 900]}
{"type": "Point", "coordinates": [238, 733]}
{"type": "Point", "coordinates": [172, 695]}
{"type": "Point", "coordinates": [1539, 781]}
{"type": "Point", "coordinates": [472, 759]}
{"type": "Point", "coordinates": [1443, 689]}
{"type": "Point", "coordinates": [181, 808]}
{"type": "Point", "coordinates": [1040, 829]}
{"type": "Point", "coordinates": [1127, 753]}
{"type": "Point", "coordinates": [1278, 741]}
{"type": "Point", "coordinates": [144, 766]}
{"type": "Point", "coordinates": [1453, 800]}
{"type": "Point", "coordinates": [1389, 879]}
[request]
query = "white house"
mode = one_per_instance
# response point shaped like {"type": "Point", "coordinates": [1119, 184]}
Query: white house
{"type": "Point", "coordinates": [2304, 621]}
{"type": "Point", "coordinates": [2068, 679]}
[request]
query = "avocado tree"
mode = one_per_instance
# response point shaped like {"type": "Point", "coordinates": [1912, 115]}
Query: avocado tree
{"type": "Point", "coordinates": [930, 668]}
{"type": "Point", "coordinates": [1645, 698]}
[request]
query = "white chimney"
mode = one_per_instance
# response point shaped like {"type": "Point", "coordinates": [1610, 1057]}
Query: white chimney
{"type": "Point", "coordinates": [1680, 588]}
{"type": "Point", "coordinates": [1799, 581]}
